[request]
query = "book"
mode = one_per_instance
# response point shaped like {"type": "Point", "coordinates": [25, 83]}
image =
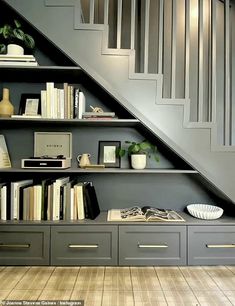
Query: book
{"type": "Point", "coordinates": [79, 201]}
{"type": "Point", "coordinates": [5, 161]}
{"type": "Point", "coordinates": [81, 104]}
{"type": "Point", "coordinates": [15, 197]}
{"type": "Point", "coordinates": [3, 201]}
{"type": "Point", "coordinates": [99, 115]}
{"type": "Point", "coordinates": [17, 63]}
{"type": "Point", "coordinates": [146, 213]}
{"type": "Point", "coordinates": [92, 209]}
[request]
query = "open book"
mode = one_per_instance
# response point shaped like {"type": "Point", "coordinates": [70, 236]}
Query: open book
{"type": "Point", "coordinates": [145, 213]}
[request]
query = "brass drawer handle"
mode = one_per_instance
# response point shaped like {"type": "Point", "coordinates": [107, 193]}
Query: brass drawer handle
{"type": "Point", "coordinates": [83, 246]}
{"type": "Point", "coordinates": [220, 246]}
{"type": "Point", "coordinates": [12, 246]}
{"type": "Point", "coordinates": [156, 246]}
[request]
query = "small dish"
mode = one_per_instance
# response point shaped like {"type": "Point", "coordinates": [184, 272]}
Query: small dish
{"type": "Point", "coordinates": [204, 211]}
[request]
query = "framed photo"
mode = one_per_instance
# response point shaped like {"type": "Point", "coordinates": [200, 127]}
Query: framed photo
{"type": "Point", "coordinates": [107, 154]}
{"type": "Point", "coordinates": [30, 104]}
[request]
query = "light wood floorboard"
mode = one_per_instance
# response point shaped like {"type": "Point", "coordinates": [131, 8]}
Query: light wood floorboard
{"type": "Point", "coordinates": [122, 286]}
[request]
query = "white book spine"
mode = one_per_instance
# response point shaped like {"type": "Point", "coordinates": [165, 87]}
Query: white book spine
{"type": "Point", "coordinates": [78, 190]}
{"type": "Point", "coordinates": [4, 203]}
{"type": "Point", "coordinates": [81, 104]}
{"type": "Point", "coordinates": [72, 210]}
{"type": "Point", "coordinates": [50, 98]}
{"type": "Point", "coordinates": [44, 103]}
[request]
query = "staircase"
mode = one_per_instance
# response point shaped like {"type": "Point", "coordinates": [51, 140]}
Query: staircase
{"type": "Point", "coordinates": [152, 97]}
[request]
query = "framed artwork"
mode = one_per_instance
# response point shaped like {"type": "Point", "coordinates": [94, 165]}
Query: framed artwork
{"type": "Point", "coordinates": [30, 104]}
{"type": "Point", "coordinates": [107, 154]}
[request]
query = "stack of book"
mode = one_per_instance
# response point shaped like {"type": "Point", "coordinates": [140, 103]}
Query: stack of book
{"type": "Point", "coordinates": [50, 199]}
{"type": "Point", "coordinates": [17, 60]}
{"type": "Point", "coordinates": [97, 116]}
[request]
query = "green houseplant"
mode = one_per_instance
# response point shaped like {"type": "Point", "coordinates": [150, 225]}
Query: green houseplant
{"type": "Point", "coordinates": [138, 152]}
{"type": "Point", "coordinates": [14, 34]}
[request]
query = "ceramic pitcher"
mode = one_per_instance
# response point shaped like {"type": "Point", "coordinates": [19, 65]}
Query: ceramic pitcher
{"type": "Point", "coordinates": [84, 160]}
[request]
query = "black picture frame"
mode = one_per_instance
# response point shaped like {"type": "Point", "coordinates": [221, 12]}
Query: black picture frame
{"type": "Point", "coordinates": [107, 154]}
{"type": "Point", "coordinates": [26, 98]}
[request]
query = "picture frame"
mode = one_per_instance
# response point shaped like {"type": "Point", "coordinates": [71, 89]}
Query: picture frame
{"type": "Point", "coordinates": [30, 104]}
{"type": "Point", "coordinates": [107, 154]}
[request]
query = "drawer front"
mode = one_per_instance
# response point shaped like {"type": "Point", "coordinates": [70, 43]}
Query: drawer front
{"type": "Point", "coordinates": [84, 245]}
{"type": "Point", "coordinates": [152, 245]}
{"type": "Point", "coordinates": [24, 245]}
{"type": "Point", "coordinates": [211, 245]}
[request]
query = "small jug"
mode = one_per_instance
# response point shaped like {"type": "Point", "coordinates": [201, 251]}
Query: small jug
{"type": "Point", "coordinates": [84, 160]}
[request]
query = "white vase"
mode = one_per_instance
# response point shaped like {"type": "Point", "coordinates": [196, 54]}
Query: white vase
{"type": "Point", "coordinates": [138, 161]}
{"type": "Point", "coordinates": [13, 49]}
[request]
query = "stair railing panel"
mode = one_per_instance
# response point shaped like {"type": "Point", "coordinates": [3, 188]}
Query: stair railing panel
{"type": "Point", "coordinates": [213, 62]}
{"type": "Point", "coordinates": [146, 36]}
{"type": "Point", "coordinates": [227, 98]}
{"type": "Point", "coordinates": [173, 49]}
{"type": "Point", "coordinates": [187, 48]}
{"type": "Point", "coordinates": [201, 63]}
{"type": "Point", "coordinates": [160, 36]}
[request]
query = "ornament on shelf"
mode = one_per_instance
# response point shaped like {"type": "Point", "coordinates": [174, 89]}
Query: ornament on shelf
{"type": "Point", "coordinates": [6, 108]}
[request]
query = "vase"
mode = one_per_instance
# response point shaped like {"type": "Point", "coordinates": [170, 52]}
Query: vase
{"type": "Point", "coordinates": [138, 161]}
{"type": "Point", "coordinates": [6, 108]}
{"type": "Point", "coordinates": [13, 49]}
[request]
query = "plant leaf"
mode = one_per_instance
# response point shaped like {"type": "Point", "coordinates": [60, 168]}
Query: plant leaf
{"type": "Point", "coordinates": [17, 23]}
{"type": "Point", "coordinates": [3, 49]}
{"type": "Point", "coordinates": [19, 34]}
{"type": "Point", "coordinates": [145, 145]}
{"type": "Point", "coordinates": [29, 41]}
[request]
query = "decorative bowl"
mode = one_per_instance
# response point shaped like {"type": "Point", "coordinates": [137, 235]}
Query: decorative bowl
{"type": "Point", "coordinates": [204, 211]}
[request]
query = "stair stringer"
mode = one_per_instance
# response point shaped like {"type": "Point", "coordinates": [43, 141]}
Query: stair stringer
{"type": "Point", "coordinates": [166, 121]}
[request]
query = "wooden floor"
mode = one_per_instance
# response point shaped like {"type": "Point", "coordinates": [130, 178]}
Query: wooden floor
{"type": "Point", "coordinates": [123, 286]}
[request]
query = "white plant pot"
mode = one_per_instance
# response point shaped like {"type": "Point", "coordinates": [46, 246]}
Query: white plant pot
{"type": "Point", "coordinates": [13, 49]}
{"type": "Point", "coordinates": [138, 161]}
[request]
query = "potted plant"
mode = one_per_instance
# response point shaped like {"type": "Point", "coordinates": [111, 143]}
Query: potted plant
{"type": "Point", "coordinates": [138, 151]}
{"type": "Point", "coordinates": [12, 35]}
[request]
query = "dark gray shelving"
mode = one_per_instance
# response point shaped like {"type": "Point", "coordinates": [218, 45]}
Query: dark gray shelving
{"type": "Point", "coordinates": [71, 122]}
{"type": "Point", "coordinates": [101, 171]}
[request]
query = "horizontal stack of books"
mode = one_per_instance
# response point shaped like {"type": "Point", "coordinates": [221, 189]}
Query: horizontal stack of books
{"type": "Point", "coordinates": [17, 60]}
{"type": "Point", "coordinates": [98, 115]}
{"type": "Point", "coordinates": [50, 199]}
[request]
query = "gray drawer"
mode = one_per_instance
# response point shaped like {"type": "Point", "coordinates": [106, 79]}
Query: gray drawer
{"type": "Point", "coordinates": [152, 245]}
{"type": "Point", "coordinates": [24, 245]}
{"type": "Point", "coordinates": [84, 245]}
{"type": "Point", "coordinates": [211, 245]}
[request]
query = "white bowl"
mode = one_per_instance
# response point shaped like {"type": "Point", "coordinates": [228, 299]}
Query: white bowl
{"type": "Point", "coordinates": [204, 211]}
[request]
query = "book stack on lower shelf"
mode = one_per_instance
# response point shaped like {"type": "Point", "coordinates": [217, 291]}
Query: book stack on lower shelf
{"type": "Point", "coordinates": [17, 60]}
{"type": "Point", "coordinates": [51, 199]}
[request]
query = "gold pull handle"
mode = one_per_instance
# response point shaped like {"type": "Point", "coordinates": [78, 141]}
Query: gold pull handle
{"type": "Point", "coordinates": [157, 246]}
{"type": "Point", "coordinates": [12, 246]}
{"type": "Point", "coordinates": [83, 246]}
{"type": "Point", "coordinates": [220, 246]}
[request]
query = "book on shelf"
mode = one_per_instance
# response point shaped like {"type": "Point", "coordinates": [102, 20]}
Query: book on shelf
{"type": "Point", "coordinates": [15, 197]}
{"type": "Point", "coordinates": [3, 201]}
{"type": "Point", "coordinates": [146, 213]}
{"type": "Point", "coordinates": [5, 161]}
{"type": "Point", "coordinates": [79, 201]}
{"type": "Point", "coordinates": [89, 115]}
{"type": "Point", "coordinates": [91, 205]}
{"type": "Point", "coordinates": [24, 57]}
{"type": "Point", "coordinates": [18, 63]}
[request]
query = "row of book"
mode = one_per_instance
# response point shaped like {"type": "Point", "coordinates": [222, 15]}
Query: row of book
{"type": "Point", "coordinates": [66, 103]}
{"type": "Point", "coordinates": [50, 199]}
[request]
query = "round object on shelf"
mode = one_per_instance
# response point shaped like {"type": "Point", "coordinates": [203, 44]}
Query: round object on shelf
{"type": "Point", "coordinates": [204, 211]}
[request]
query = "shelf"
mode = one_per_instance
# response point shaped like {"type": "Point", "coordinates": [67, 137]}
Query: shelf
{"type": "Point", "coordinates": [102, 220]}
{"type": "Point", "coordinates": [101, 171]}
{"type": "Point", "coordinates": [73, 122]}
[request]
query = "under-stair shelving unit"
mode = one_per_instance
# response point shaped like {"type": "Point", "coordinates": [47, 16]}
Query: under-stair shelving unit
{"type": "Point", "coordinates": [172, 183]}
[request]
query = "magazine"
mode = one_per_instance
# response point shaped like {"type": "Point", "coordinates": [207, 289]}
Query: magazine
{"type": "Point", "coordinates": [146, 213]}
